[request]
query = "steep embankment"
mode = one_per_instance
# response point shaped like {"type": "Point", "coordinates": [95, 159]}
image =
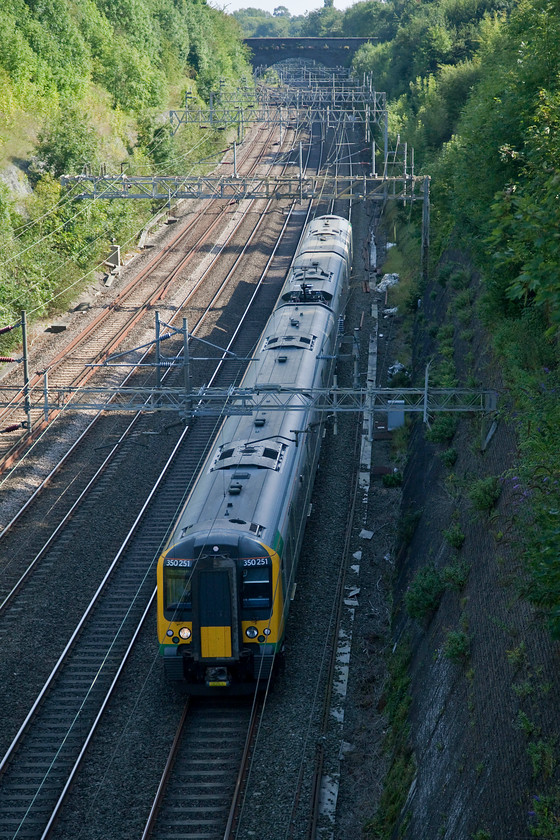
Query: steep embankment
{"type": "Point", "coordinates": [90, 84]}
{"type": "Point", "coordinates": [484, 673]}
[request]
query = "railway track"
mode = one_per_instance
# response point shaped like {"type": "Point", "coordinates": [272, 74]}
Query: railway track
{"type": "Point", "coordinates": [20, 540]}
{"type": "Point", "coordinates": [72, 366]}
{"type": "Point", "coordinates": [198, 303]}
{"type": "Point", "coordinates": [82, 675]}
{"type": "Point", "coordinates": [60, 723]}
{"type": "Point", "coordinates": [211, 748]}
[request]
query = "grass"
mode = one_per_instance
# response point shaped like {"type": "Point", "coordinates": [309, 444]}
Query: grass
{"type": "Point", "coordinates": [542, 758]}
{"type": "Point", "coordinates": [399, 439]}
{"type": "Point", "coordinates": [517, 656]}
{"type": "Point", "coordinates": [526, 725]}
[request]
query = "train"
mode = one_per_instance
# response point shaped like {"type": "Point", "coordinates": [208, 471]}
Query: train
{"type": "Point", "coordinates": [227, 573]}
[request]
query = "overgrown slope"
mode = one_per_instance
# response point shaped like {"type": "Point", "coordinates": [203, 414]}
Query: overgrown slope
{"type": "Point", "coordinates": [89, 82]}
{"type": "Point", "coordinates": [475, 87]}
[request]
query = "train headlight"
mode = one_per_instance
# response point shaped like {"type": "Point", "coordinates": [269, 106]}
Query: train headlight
{"type": "Point", "coordinates": [185, 633]}
{"type": "Point", "coordinates": [267, 631]}
{"type": "Point", "coordinates": [251, 632]}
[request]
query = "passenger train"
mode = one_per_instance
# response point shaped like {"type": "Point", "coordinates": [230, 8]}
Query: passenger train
{"type": "Point", "coordinates": [226, 576]}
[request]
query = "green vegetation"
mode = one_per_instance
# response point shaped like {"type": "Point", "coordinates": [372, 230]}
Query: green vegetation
{"type": "Point", "coordinates": [443, 428]}
{"type": "Point", "coordinates": [397, 746]}
{"type": "Point", "coordinates": [424, 593]}
{"type": "Point", "coordinates": [84, 85]}
{"type": "Point", "coordinates": [394, 479]}
{"type": "Point", "coordinates": [257, 23]}
{"type": "Point", "coordinates": [541, 754]}
{"type": "Point", "coordinates": [475, 88]}
{"type": "Point", "coordinates": [455, 575]}
{"type": "Point", "coordinates": [449, 456]}
{"type": "Point", "coordinates": [457, 646]}
{"type": "Point", "coordinates": [426, 589]}
{"type": "Point", "coordinates": [454, 536]}
{"type": "Point", "coordinates": [407, 526]}
{"type": "Point", "coordinates": [545, 817]}
{"type": "Point", "coordinates": [484, 493]}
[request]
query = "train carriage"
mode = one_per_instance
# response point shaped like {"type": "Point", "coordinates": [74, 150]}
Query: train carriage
{"type": "Point", "coordinates": [227, 573]}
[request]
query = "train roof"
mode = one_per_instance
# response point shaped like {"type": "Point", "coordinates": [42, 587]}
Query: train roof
{"type": "Point", "coordinates": [326, 234]}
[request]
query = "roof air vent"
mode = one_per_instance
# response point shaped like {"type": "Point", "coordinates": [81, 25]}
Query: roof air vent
{"type": "Point", "coordinates": [235, 489]}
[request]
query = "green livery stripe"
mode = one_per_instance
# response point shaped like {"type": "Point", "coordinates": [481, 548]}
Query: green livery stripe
{"type": "Point", "coordinates": [278, 543]}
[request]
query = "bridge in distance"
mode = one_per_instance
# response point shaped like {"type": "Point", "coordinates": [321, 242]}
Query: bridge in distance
{"type": "Point", "coordinates": [332, 52]}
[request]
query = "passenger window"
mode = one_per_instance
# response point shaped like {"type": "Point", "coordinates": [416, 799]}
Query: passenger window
{"type": "Point", "coordinates": [256, 592]}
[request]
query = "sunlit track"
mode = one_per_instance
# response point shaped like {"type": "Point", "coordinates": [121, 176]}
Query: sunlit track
{"type": "Point", "coordinates": [110, 327]}
{"type": "Point", "coordinates": [9, 590]}
{"type": "Point", "coordinates": [85, 365]}
{"type": "Point", "coordinates": [94, 655]}
{"type": "Point", "coordinates": [125, 600]}
{"type": "Point", "coordinates": [198, 303]}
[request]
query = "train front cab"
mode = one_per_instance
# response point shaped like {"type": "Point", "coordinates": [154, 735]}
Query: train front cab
{"type": "Point", "coordinates": [220, 613]}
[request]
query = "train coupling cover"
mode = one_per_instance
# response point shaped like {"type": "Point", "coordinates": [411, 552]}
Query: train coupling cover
{"type": "Point", "coordinates": [217, 678]}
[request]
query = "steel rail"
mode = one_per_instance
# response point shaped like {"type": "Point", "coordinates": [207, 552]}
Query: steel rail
{"type": "Point", "coordinates": [88, 612]}
{"type": "Point", "coordinates": [126, 543]}
{"type": "Point", "coordinates": [102, 318]}
{"type": "Point", "coordinates": [92, 482]}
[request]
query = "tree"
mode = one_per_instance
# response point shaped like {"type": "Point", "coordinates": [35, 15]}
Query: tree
{"type": "Point", "coordinates": [68, 143]}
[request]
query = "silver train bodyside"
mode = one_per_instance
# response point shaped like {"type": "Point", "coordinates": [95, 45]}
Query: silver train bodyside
{"type": "Point", "coordinates": [226, 576]}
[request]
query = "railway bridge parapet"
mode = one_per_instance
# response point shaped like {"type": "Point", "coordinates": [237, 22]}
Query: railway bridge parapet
{"type": "Point", "coordinates": [332, 52]}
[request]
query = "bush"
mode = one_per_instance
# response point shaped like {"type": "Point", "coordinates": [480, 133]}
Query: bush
{"type": "Point", "coordinates": [443, 428]}
{"type": "Point", "coordinates": [68, 143]}
{"type": "Point", "coordinates": [394, 479]}
{"type": "Point", "coordinates": [457, 646]}
{"type": "Point", "coordinates": [407, 526]}
{"type": "Point", "coordinates": [461, 279]}
{"type": "Point", "coordinates": [424, 593]}
{"type": "Point", "coordinates": [463, 300]}
{"type": "Point", "coordinates": [449, 456]}
{"type": "Point", "coordinates": [454, 536]}
{"type": "Point", "coordinates": [455, 575]}
{"type": "Point", "coordinates": [485, 493]}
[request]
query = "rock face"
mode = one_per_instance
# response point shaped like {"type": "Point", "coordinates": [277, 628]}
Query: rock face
{"type": "Point", "coordinates": [16, 180]}
{"type": "Point", "coordinates": [484, 719]}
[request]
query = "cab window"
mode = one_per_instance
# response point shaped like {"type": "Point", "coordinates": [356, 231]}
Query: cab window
{"type": "Point", "coordinates": [177, 591]}
{"type": "Point", "coordinates": [256, 590]}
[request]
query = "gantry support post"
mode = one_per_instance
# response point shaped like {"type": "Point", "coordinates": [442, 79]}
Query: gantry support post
{"type": "Point", "coordinates": [425, 227]}
{"type": "Point", "coordinates": [25, 369]}
{"type": "Point", "coordinates": [158, 353]}
{"type": "Point", "coordinates": [187, 366]}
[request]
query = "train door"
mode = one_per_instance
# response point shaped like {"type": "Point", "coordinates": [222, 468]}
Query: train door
{"type": "Point", "coordinates": [214, 614]}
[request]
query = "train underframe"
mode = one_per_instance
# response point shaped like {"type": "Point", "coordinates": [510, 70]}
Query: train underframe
{"type": "Point", "coordinates": [241, 676]}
